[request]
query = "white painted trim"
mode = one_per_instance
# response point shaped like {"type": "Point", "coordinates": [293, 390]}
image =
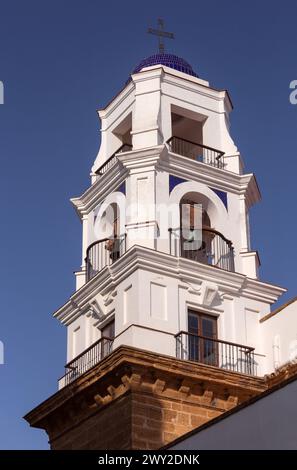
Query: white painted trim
{"type": "Point", "coordinates": [154, 261]}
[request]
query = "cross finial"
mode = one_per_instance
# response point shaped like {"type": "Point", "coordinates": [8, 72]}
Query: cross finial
{"type": "Point", "coordinates": [161, 34]}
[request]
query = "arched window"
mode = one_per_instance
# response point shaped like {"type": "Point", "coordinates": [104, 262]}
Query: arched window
{"type": "Point", "coordinates": [195, 236]}
{"type": "Point", "coordinates": [112, 244]}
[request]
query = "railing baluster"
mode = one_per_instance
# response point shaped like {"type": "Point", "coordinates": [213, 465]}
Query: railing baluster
{"type": "Point", "coordinates": [215, 352]}
{"type": "Point", "coordinates": [87, 359]}
{"type": "Point", "coordinates": [99, 255]}
{"type": "Point", "coordinates": [113, 159]}
{"type": "Point", "coordinates": [217, 250]}
{"type": "Point", "coordinates": [198, 152]}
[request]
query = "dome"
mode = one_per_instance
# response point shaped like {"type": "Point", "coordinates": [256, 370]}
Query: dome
{"type": "Point", "coordinates": [169, 60]}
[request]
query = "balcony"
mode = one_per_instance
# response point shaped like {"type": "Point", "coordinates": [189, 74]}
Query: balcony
{"type": "Point", "coordinates": [212, 249]}
{"type": "Point", "coordinates": [213, 352]}
{"type": "Point", "coordinates": [103, 253]}
{"type": "Point", "coordinates": [200, 153]}
{"type": "Point", "coordinates": [207, 246]}
{"type": "Point", "coordinates": [113, 159]}
{"type": "Point", "coordinates": [189, 347]}
{"type": "Point", "coordinates": [86, 360]}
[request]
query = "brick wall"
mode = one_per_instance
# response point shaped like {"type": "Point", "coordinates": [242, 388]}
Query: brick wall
{"type": "Point", "coordinates": [110, 428]}
{"type": "Point", "coordinates": [157, 421]}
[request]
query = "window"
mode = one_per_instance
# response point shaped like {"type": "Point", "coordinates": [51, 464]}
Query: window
{"type": "Point", "coordinates": [108, 330]}
{"type": "Point", "coordinates": [195, 245]}
{"type": "Point", "coordinates": [202, 331]}
{"type": "Point", "coordinates": [112, 245]}
{"type": "Point", "coordinates": [107, 335]}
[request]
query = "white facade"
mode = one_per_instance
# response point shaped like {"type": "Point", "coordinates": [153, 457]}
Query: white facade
{"type": "Point", "coordinates": [149, 286]}
{"type": "Point", "coordinates": [279, 333]}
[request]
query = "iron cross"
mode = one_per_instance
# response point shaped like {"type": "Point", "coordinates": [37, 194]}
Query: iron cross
{"type": "Point", "coordinates": [161, 34]}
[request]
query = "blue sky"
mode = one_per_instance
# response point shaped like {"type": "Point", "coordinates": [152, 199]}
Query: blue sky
{"type": "Point", "coordinates": [62, 60]}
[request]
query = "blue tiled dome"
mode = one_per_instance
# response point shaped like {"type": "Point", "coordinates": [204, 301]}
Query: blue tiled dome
{"type": "Point", "coordinates": [169, 60]}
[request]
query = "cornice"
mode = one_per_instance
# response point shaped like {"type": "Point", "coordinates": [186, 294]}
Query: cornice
{"type": "Point", "coordinates": [116, 101]}
{"type": "Point", "coordinates": [98, 191]}
{"type": "Point", "coordinates": [184, 81]}
{"type": "Point", "coordinates": [170, 76]}
{"type": "Point", "coordinates": [161, 158]}
{"type": "Point", "coordinates": [160, 263]}
{"type": "Point", "coordinates": [253, 194]}
{"type": "Point", "coordinates": [132, 369]}
{"type": "Point", "coordinates": [215, 177]}
{"type": "Point", "coordinates": [142, 158]}
{"type": "Point", "coordinates": [218, 96]}
{"type": "Point", "coordinates": [255, 289]}
{"type": "Point", "coordinates": [128, 162]}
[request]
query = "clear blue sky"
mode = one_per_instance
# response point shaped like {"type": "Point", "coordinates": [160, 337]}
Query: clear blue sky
{"type": "Point", "coordinates": [62, 60]}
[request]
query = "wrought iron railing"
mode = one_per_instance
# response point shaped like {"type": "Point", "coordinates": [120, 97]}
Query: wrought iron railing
{"type": "Point", "coordinates": [198, 152]}
{"type": "Point", "coordinates": [87, 359]}
{"type": "Point", "coordinates": [214, 352]}
{"type": "Point", "coordinates": [103, 253]}
{"type": "Point", "coordinates": [205, 245]}
{"type": "Point", "coordinates": [113, 159]}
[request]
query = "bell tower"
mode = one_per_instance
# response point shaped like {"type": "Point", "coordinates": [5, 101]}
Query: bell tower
{"type": "Point", "coordinates": [163, 330]}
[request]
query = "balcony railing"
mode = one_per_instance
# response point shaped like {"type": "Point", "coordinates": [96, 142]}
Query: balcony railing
{"type": "Point", "coordinates": [103, 253]}
{"type": "Point", "coordinates": [112, 160]}
{"type": "Point", "coordinates": [87, 359]}
{"type": "Point", "coordinates": [200, 153]}
{"type": "Point", "coordinates": [205, 245]}
{"type": "Point", "coordinates": [213, 352]}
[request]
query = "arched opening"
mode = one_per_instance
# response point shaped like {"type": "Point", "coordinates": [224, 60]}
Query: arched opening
{"type": "Point", "coordinates": [111, 224]}
{"type": "Point", "coordinates": [196, 238]}
{"type": "Point", "coordinates": [111, 243]}
{"type": "Point", "coordinates": [187, 137]}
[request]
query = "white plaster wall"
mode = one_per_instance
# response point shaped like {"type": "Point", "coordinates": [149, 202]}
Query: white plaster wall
{"type": "Point", "coordinates": [143, 338]}
{"type": "Point", "coordinates": [111, 117]}
{"type": "Point", "coordinates": [279, 337]}
{"type": "Point", "coordinates": [126, 303]}
{"type": "Point", "coordinates": [148, 300]}
{"type": "Point", "coordinates": [205, 102]}
{"type": "Point", "coordinates": [162, 303]}
{"type": "Point", "coordinates": [141, 213]}
{"type": "Point", "coordinates": [76, 338]}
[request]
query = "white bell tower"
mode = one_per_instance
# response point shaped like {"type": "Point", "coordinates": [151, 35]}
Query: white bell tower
{"type": "Point", "coordinates": [144, 281]}
{"type": "Point", "coordinates": [170, 325]}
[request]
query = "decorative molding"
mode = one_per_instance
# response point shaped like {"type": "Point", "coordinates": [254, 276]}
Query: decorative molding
{"type": "Point", "coordinates": [110, 297]}
{"type": "Point", "coordinates": [117, 100]}
{"type": "Point", "coordinates": [140, 159]}
{"type": "Point", "coordinates": [128, 368]}
{"type": "Point", "coordinates": [184, 270]}
{"type": "Point", "coordinates": [159, 157]}
{"type": "Point", "coordinates": [97, 192]}
{"type": "Point", "coordinates": [215, 178]}
{"type": "Point", "coordinates": [209, 292]}
{"type": "Point", "coordinates": [95, 310]}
